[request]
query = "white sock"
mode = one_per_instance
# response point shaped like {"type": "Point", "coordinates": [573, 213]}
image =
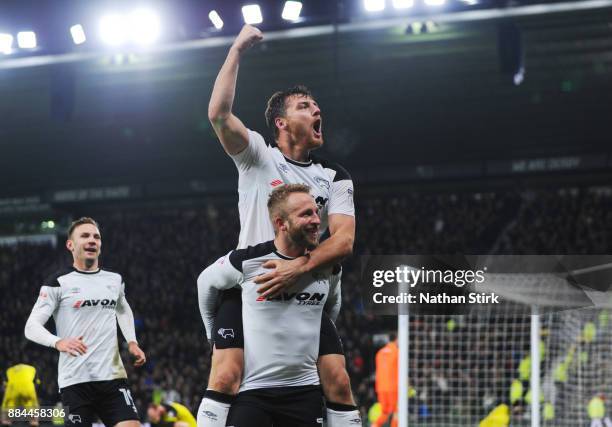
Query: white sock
{"type": "Point", "coordinates": [213, 412]}
{"type": "Point", "coordinates": [343, 418]}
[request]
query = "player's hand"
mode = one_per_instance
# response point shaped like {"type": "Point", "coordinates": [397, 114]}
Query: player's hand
{"type": "Point", "coordinates": [285, 273]}
{"type": "Point", "coordinates": [248, 37]}
{"type": "Point", "coordinates": [137, 353]}
{"type": "Point", "coordinates": [72, 346]}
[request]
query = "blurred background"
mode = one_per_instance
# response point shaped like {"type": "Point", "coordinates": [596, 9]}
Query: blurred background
{"type": "Point", "coordinates": [468, 126]}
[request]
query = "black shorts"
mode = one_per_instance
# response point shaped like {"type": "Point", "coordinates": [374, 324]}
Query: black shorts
{"type": "Point", "coordinates": [278, 407]}
{"type": "Point", "coordinates": [227, 329]}
{"type": "Point", "coordinates": [110, 400]}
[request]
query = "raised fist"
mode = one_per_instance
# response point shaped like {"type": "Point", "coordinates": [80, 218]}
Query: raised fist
{"type": "Point", "coordinates": [248, 37]}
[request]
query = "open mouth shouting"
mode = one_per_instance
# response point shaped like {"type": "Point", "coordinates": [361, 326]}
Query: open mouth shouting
{"type": "Point", "coordinates": [317, 128]}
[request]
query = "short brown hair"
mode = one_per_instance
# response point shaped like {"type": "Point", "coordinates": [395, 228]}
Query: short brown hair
{"type": "Point", "coordinates": [81, 221]}
{"type": "Point", "coordinates": [276, 105]}
{"type": "Point", "coordinates": [279, 196]}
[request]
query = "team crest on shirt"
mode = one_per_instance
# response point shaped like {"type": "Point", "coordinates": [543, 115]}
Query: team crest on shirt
{"type": "Point", "coordinates": [323, 183]}
{"type": "Point", "coordinates": [321, 202]}
{"type": "Point", "coordinates": [75, 290]}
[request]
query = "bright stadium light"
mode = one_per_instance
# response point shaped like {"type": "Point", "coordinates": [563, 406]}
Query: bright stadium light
{"type": "Point", "coordinates": [144, 26]}
{"type": "Point", "coordinates": [435, 2]}
{"type": "Point", "coordinates": [403, 4]}
{"type": "Point", "coordinates": [291, 11]}
{"type": "Point", "coordinates": [26, 39]}
{"type": "Point", "coordinates": [215, 19]}
{"type": "Point", "coordinates": [252, 14]}
{"type": "Point", "coordinates": [78, 34]}
{"type": "Point", "coordinates": [6, 43]}
{"type": "Point", "coordinates": [113, 29]}
{"type": "Point", "coordinates": [374, 5]}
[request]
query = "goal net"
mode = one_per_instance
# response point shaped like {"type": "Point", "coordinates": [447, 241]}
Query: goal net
{"type": "Point", "coordinates": [461, 368]}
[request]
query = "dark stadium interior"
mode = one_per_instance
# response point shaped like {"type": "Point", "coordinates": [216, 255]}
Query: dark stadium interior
{"type": "Point", "coordinates": [447, 155]}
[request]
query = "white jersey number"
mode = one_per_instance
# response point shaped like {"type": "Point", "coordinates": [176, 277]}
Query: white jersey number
{"type": "Point", "coordinates": [128, 398]}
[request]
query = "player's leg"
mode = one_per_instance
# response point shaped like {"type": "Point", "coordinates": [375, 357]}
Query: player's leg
{"type": "Point", "coordinates": [248, 410]}
{"type": "Point", "coordinates": [78, 402]}
{"type": "Point", "coordinates": [341, 408]}
{"type": "Point", "coordinates": [30, 401]}
{"type": "Point", "coordinates": [227, 362]}
{"type": "Point", "coordinates": [387, 407]}
{"type": "Point", "coordinates": [114, 404]}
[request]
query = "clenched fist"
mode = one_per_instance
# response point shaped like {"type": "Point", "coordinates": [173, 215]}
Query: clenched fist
{"type": "Point", "coordinates": [248, 37]}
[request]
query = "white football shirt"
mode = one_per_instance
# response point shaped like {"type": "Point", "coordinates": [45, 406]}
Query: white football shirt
{"type": "Point", "coordinates": [261, 168]}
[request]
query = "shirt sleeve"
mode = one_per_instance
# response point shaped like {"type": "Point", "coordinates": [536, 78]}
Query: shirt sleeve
{"type": "Point", "coordinates": [46, 304]}
{"type": "Point", "coordinates": [253, 155]}
{"type": "Point", "coordinates": [334, 301]}
{"type": "Point", "coordinates": [125, 317]}
{"type": "Point", "coordinates": [218, 276]}
{"type": "Point", "coordinates": [341, 200]}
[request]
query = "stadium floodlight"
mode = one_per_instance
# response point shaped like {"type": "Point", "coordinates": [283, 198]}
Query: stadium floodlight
{"type": "Point", "coordinates": [252, 14]}
{"type": "Point", "coordinates": [78, 34]}
{"type": "Point", "coordinates": [374, 5]}
{"type": "Point", "coordinates": [48, 224]}
{"type": "Point", "coordinates": [403, 4]}
{"type": "Point", "coordinates": [215, 19]}
{"type": "Point", "coordinates": [435, 2]}
{"type": "Point", "coordinates": [6, 43]}
{"type": "Point", "coordinates": [144, 26]}
{"type": "Point", "coordinates": [291, 11]}
{"type": "Point", "coordinates": [26, 39]}
{"type": "Point", "coordinates": [113, 29]}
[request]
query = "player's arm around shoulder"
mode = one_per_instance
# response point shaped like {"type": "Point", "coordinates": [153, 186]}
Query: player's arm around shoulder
{"type": "Point", "coordinates": [342, 229]}
{"type": "Point", "coordinates": [341, 222]}
{"type": "Point", "coordinates": [232, 133]}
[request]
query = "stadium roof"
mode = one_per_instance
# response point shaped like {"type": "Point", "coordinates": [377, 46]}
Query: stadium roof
{"type": "Point", "coordinates": [389, 97]}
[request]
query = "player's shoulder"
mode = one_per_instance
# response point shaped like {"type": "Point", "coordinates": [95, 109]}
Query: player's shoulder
{"type": "Point", "coordinates": [238, 256]}
{"type": "Point", "coordinates": [111, 272]}
{"type": "Point", "coordinates": [337, 171]}
{"type": "Point", "coordinates": [53, 279]}
{"type": "Point", "coordinates": [258, 139]}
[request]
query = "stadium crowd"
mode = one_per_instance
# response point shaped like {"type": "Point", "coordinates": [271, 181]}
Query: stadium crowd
{"type": "Point", "coordinates": [160, 254]}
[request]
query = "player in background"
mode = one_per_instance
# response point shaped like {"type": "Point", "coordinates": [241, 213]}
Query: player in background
{"type": "Point", "coordinates": [295, 119]}
{"type": "Point", "coordinates": [86, 303]}
{"type": "Point", "coordinates": [281, 337]}
{"type": "Point", "coordinates": [170, 414]}
{"type": "Point", "coordinates": [20, 391]}
{"type": "Point", "coordinates": [387, 366]}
